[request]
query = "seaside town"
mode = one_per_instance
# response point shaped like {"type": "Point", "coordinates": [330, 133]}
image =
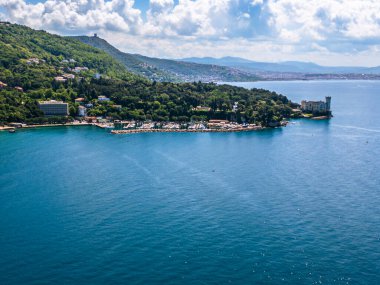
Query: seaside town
{"type": "Point", "coordinates": [83, 109]}
{"type": "Point", "coordinates": [53, 108]}
{"type": "Point", "coordinates": [60, 109]}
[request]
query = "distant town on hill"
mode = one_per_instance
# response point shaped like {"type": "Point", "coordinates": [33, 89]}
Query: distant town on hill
{"type": "Point", "coordinates": [226, 69]}
{"type": "Point", "coordinates": [169, 70]}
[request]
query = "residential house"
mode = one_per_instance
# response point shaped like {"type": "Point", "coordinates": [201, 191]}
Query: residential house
{"type": "Point", "coordinates": [68, 76]}
{"type": "Point", "coordinates": [79, 100]}
{"type": "Point", "coordinates": [82, 111]}
{"type": "Point", "coordinates": [103, 98]}
{"type": "Point", "coordinates": [60, 79]}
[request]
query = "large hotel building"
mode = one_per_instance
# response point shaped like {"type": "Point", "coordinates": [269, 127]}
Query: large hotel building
{"type": "Point", "coordinates": [54, 108]}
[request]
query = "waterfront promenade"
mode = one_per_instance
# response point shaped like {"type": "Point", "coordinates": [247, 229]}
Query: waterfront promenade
{"type": "Point", "coordinates": [74, 124]}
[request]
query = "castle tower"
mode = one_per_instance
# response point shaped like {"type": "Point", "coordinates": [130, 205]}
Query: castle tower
{"type": "Point", "coordinates": [328, 103]}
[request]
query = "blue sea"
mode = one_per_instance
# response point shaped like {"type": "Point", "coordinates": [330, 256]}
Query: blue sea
{"type": "Point", "coordinates": [297, 205]}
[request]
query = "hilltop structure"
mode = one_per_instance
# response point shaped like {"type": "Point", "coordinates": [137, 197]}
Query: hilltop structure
{"type": "Point", "coordinates": [317, 106]}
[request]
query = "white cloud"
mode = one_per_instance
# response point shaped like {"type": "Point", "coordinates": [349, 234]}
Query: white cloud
{"type": "Point", "coordinates": [257, 29]}
{"type": "Point", "coordinates": [199, 18]}
{"type": "Point", "coordinates": [161, 5]}
{"type": "Point", "coordinates": [257, 2]}
{"type": "Point", "coordinates": [319, 20]}
{"type": "Point", "coordinates": [188, 18]}
{"type": "Point", "coordinates": [75, 15]}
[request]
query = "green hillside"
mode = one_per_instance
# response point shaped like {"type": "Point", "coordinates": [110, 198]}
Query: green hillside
{"type": "Point", "coordinates": [19, 42]}
{"type": "Point", "coordinates": [169, 70]}
{"type": "Point", "coordinates": [130, 61]}
{"type": "Point", "coordinates": [35, 65]}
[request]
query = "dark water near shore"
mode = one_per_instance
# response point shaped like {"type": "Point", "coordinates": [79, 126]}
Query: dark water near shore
{"type": "Point", "coordinates": [298, 205]}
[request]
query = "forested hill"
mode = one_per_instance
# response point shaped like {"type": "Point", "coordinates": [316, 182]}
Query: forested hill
{"type": "Point", "coordinates": [170, 70]}
{"type": "Point", "coordinates": [35, 65]}
{"type": "Point", "coordinates": [19, 43]}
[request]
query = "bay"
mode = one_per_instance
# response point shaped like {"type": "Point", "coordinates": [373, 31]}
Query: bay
{"type": "Point", "coordinates": [297, 205]}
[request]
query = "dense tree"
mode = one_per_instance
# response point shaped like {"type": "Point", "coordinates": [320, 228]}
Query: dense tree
{"type": "Point", "coordinates": [139, 99]}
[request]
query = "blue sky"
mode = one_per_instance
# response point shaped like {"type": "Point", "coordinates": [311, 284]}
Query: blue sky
{"type": "Point", "coordinates": [329, 32]}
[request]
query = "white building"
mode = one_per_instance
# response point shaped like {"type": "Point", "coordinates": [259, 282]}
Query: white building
{"type": "Point", "coordinates": [82, 111]}
{"type": "Point", "coordinates": [235, 107]}
{"type": "Point", "coordinates": [60, 79]}
{"type": "Point", "coordinates": [68, 76]}
{"type": "Point", "coordinates": [103, 98]}
{"type": "Point", "coordinates": [80, 69]}
{"type": "Point", "coordinates": [316, 106]}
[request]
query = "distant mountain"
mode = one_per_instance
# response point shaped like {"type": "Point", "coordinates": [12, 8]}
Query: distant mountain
{"type": "Point", "coordinates": [169, 70]}
{"type": "Point", "coordinates": [287, 66]}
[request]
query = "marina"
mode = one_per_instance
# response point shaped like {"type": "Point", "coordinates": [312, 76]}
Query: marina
{"type": "Point", "coordinates": [295, 205]}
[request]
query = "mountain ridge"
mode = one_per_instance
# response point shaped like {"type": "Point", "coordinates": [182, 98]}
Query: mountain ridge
{"type": "Point", "coordinates": [167, 69]}
{"type": "Point", "coordinates": [284, 66]}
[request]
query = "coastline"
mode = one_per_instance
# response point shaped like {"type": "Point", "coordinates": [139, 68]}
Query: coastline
{"type": "Point", "coordinates": [135, 131]}
{"type": "Point", "coordinates": [139, 131]}
{"type": "Point", "coordinates": [54, 125]}
{"type": "Point", "coordinates": [143, 130]}
{"type": "Point", "coordinates": [154, 130]}
{"type": "Point", "coordinates": [111, 126]}
{"type": "Point", "coordinates": [8, 128]}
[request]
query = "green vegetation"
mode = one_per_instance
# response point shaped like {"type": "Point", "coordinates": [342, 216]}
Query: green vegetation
{"type": "Point", "coordinates": [132, 96]}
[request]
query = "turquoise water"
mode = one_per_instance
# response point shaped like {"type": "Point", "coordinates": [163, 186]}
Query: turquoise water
{"type": "Point", "coordinates": [298, 205]}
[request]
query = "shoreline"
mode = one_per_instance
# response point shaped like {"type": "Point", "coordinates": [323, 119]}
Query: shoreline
{"type": "Point", "coordinates": [8, 128]}
{"type": "Point", "coordinates": [54, 125]}
{"type": "Point", "coordinates": [140, 131]}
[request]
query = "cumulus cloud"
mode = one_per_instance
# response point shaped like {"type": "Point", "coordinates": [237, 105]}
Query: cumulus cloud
{"type": "Point", "coordinates": [199, 18]}
{"type": "Point", "coordinates": [325, 19]}
{"type": "Point", "coordinates": [159, 6]}
{"type": "Point", "coordinates": [257, 2]}
{"type": "Point", "coordinates": [249, 28]}
{"type": "Point", "coordinates": [189, 18]}
{"type": "Point", "coordinates": [75, 15]}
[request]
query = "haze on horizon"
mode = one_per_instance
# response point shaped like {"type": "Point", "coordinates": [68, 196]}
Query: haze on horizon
{"type": "Point", "coordinates": [327, 32]}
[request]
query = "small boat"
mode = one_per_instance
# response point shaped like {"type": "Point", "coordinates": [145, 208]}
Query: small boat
{"type": "Point", "coordinates": [12, 131]}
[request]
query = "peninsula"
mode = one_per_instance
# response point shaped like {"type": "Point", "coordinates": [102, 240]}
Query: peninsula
{"type": "Point", "coordinates": [46, 79]}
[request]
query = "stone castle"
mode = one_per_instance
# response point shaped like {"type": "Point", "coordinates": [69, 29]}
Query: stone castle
{"type": "Point", "coordinates": [317, 106]}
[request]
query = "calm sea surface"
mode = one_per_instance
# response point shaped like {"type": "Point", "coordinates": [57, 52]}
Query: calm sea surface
{"type": "Point", "coordinates": [298, 205]}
